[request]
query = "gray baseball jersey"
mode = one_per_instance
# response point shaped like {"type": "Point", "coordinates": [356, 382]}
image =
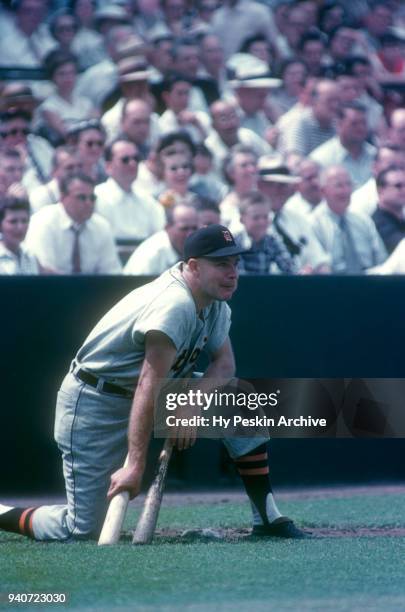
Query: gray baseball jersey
{"type": "Point", "coordinates": [115, 349]}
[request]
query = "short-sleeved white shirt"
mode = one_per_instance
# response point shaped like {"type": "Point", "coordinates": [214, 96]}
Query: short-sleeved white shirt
{"type": "Point", "coordinates": [115, 349]}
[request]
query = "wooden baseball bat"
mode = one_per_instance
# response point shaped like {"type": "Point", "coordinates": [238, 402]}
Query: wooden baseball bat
{"type": "Point", "coordinates": [147, 522]}
{"type": "Point", "coordinates": [110, 533]}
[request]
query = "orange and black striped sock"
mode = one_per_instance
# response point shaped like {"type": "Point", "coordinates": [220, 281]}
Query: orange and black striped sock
{"type": "Point", "coordinates": [254, 471]}
{"type": "Point", "coordinates": [18, 520]}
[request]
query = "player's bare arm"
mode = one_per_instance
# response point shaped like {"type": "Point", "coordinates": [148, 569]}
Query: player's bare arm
{"type": "Point", "coordinates": [160, 354]}
{"type": "Point", "coordinates": [221, 368]}
{"type": "Point", "coordinates": [222, 365]}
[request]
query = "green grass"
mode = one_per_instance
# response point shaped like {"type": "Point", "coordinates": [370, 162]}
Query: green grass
{"type": "Point", "coordinates": [363, 573]}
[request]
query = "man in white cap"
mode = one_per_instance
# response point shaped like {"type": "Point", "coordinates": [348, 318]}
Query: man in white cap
{"type": "Point", "coordinates": [278, 184]}
{"type": "Point", "coordinates": [252, 85]}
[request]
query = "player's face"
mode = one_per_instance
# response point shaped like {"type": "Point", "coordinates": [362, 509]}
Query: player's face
{"type": "Point", "coordinates": [218, 278]}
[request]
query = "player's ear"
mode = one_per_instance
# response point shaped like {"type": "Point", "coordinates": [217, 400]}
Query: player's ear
{"type": "Point", "coordinates": [192, 264]}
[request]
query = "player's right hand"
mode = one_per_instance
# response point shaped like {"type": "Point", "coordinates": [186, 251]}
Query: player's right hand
{"type": "Point", "coordinates": [184, 436]}
{"type": "Point", "coordinates": [125, 479]}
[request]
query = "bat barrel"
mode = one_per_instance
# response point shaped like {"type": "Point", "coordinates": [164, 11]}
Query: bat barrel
{"type": "Point", "coordinates": [147, 522]}
{"type": "Point", "coordinates": [110, 533]}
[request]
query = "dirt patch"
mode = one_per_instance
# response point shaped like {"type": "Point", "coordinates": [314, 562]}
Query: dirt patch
{"type": "Point", "coordinates": [168, 535]}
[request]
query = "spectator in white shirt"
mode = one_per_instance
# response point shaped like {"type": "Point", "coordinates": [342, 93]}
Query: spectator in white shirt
{"type": "Point", "coordinates": [14, 220]}
{"type": "Point", "coordinates": [176, 89]}
{"type": "Point", "coordinates": [351, 240]}
{"type": "Point", "coordinates": [309, 193]}
{"type": "Point", "coordinates": [136, 124]}
{"type": "Point", "coordinates": [164, 249]}
{"type": "Point", "coordinates": [365, 198]}
{"type": "Point", "coordinates": [69, 237]}
{"type": "Point", "coordinates": [133, 215]}
{"type": "Point", "coordinates": [252, 85]}
{"type": "Point", "coordinates": [65, 161]}
{"type": "Point", "coordinates": [25, 37]}
{"type": "Point", "coordinates": [99, 80]}
{"type": "Point", "coordinates": [227, 132]}
{"type": "Point", "coordinates": [278, 184]}
{"type": "Point", "coordinates": [349, 147]}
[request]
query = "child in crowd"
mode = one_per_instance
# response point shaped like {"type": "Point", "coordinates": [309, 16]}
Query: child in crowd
{"type": "Point", "coordinates": [265, 253]}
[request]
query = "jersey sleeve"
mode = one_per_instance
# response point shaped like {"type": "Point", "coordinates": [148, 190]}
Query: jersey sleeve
{"type": "Point", "coordinates": [172, 316]}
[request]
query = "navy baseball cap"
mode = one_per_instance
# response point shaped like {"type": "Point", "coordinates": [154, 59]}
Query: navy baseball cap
{"type": "Point", "coordinates": [211, 241]}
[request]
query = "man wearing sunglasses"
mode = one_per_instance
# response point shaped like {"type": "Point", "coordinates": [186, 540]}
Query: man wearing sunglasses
{"type": "Point", "coordinates": [389, 217]}
{"type": "Point", "coordinates": [69, 237]}
{"type": "Point", "coordinates": [15, 133]}
{"type": "Point", "coordinates": [133, 215]}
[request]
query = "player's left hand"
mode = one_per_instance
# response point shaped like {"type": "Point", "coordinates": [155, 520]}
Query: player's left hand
{"type": "Point", "coordinates": [125, 479]}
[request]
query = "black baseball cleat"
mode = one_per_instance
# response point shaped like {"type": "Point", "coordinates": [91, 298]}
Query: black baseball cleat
{"type": "Point", "coordinates": [283, 527]}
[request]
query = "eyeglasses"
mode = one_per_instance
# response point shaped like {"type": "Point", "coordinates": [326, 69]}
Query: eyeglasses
{"type": "Point", "coordinates": [126, 159]}
{"type": "Point", "coordinates": [83, 197]}
{"type": "Point", "coordinates": [15, 132]}
{"type": "Point", "coordinates": [94, 143]}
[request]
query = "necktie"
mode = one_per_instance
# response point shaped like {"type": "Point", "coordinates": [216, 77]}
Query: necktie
{"type": "Point", "coordinates": [76, 267]}
{"type": "Point", "coordinates": [292, 247]}
{"type": "Point", "coordinates": [350, 254]}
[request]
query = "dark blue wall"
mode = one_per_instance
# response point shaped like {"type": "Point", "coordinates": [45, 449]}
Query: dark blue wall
{"type": "Point", "coordinates": [282, 327]}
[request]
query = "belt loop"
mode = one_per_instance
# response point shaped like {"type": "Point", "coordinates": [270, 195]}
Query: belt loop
{"type": "Point", "coordinates": [100, 385]}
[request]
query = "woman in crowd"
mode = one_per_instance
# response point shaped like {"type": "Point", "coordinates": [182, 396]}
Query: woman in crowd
{"type": "Point", "coordinates": [89, 138]}
{"type": "Point", "coordinates": [177, 169]}
{"type": "Point", "coordinates": [240, 172]}
{"type": "Point", "coordinates": [14, 220]}
{"type": "Point", "coordinates": [63, 108]}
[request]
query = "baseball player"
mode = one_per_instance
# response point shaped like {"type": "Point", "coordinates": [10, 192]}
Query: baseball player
{"type": "Point", "coordinates": [105, 404]}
